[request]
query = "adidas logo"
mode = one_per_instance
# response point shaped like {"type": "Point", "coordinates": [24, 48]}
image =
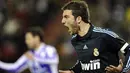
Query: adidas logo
{"type": "Point", "coordinates": [85, 47]}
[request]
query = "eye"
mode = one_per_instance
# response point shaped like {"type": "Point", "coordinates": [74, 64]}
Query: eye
{"type": "Point", "coordinates": [66, 16]}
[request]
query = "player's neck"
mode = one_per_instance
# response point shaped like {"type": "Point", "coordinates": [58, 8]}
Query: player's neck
{"type": "Point", "coordinates": [84, 27]}
{"type": "Point", "coordinates": [38, 45]}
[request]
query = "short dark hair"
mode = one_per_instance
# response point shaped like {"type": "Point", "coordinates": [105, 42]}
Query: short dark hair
{"type": "Point", "coordinates": [36, 31]}
{"type": "Point", "coordinates": [79, 8]}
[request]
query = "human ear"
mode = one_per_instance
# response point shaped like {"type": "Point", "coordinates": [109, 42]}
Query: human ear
{"type": "Point", "coordinates": [78, 19]}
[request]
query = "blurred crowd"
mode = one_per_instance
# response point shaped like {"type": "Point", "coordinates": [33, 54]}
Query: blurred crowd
{"type": "Point", "coordinates": [16, 16]}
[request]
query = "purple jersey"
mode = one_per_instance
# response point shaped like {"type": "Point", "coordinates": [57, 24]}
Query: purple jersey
{"type": "Point", "coordinates": [45, 61]}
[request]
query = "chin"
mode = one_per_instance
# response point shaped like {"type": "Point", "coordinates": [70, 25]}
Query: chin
{"type": "Point", "coordinates": [30, 48]}
{"type": "Point", "coordinates": [74, 32]}
{"type": "Point", "coordinates": [70, 33]}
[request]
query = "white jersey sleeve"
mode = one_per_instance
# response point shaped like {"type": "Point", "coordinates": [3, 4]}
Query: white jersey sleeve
{"type": "Point", "coordinates": [18, 66]}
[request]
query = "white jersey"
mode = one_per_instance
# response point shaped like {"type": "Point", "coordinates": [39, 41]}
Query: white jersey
{"type": "Point", "coordinates": [45, 61]}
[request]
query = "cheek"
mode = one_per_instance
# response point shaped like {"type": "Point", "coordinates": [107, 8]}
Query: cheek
{"type": "Point", "coordinates": [74, 24]}
{"type": "Point", "coordinates": [71, 23]}
{"type": "Point", "coordinates": [75, 27]}
{"type": "Point", "coordinates": [29, 42]}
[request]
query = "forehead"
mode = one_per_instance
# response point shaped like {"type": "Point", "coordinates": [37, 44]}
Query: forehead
{"type": "Point", "coordinates": [67, 12]}
{"type": "Point", "coordinates": [28, 34]}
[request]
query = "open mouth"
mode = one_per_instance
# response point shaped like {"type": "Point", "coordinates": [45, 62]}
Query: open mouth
{"type": "Point", "coordinates": [66, 27]}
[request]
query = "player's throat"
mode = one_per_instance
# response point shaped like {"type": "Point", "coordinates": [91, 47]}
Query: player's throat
{"type": "Point", "coordinates": [84, 28]}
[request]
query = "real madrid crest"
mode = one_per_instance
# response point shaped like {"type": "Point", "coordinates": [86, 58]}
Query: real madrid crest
{"type": "Point", "coordinates": [96, 52]}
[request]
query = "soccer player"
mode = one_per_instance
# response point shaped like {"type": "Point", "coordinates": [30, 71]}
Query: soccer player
{"type": "Point", "coordinates": [96, 48]}
{"type": "Point", "coordinates": [40, 58]}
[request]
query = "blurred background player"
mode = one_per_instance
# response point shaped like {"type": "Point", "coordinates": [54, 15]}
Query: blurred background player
{"type": "Point", "coordinates": [40, 58]}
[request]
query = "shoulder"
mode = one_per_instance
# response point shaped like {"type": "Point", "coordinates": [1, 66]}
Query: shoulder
{"type": "Point", "coordinates": [50, 49]}
{"type": "Point", "coordinates": [105, 32]}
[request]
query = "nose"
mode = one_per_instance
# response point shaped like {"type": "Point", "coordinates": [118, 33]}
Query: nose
{"type": "Point", "coordinates": [63, 21]}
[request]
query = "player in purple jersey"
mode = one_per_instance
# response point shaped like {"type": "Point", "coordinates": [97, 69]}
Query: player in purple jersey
{"type": "Point", "coordinates": [40, 58]}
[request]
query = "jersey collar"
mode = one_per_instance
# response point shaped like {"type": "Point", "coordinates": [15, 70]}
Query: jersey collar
{"type": "Point", "coordinates": [42, 45]}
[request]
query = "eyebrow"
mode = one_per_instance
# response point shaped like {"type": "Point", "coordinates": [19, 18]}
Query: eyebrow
{"type": "Point", "coordinates": [65, 16]}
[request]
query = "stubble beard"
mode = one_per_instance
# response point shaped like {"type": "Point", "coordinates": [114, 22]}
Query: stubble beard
{"type": "Point", "coordinates": [75, 30]}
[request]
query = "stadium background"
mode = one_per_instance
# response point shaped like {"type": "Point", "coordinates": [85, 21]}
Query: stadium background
{"type": "Point", "coordinates": [16, 16]}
